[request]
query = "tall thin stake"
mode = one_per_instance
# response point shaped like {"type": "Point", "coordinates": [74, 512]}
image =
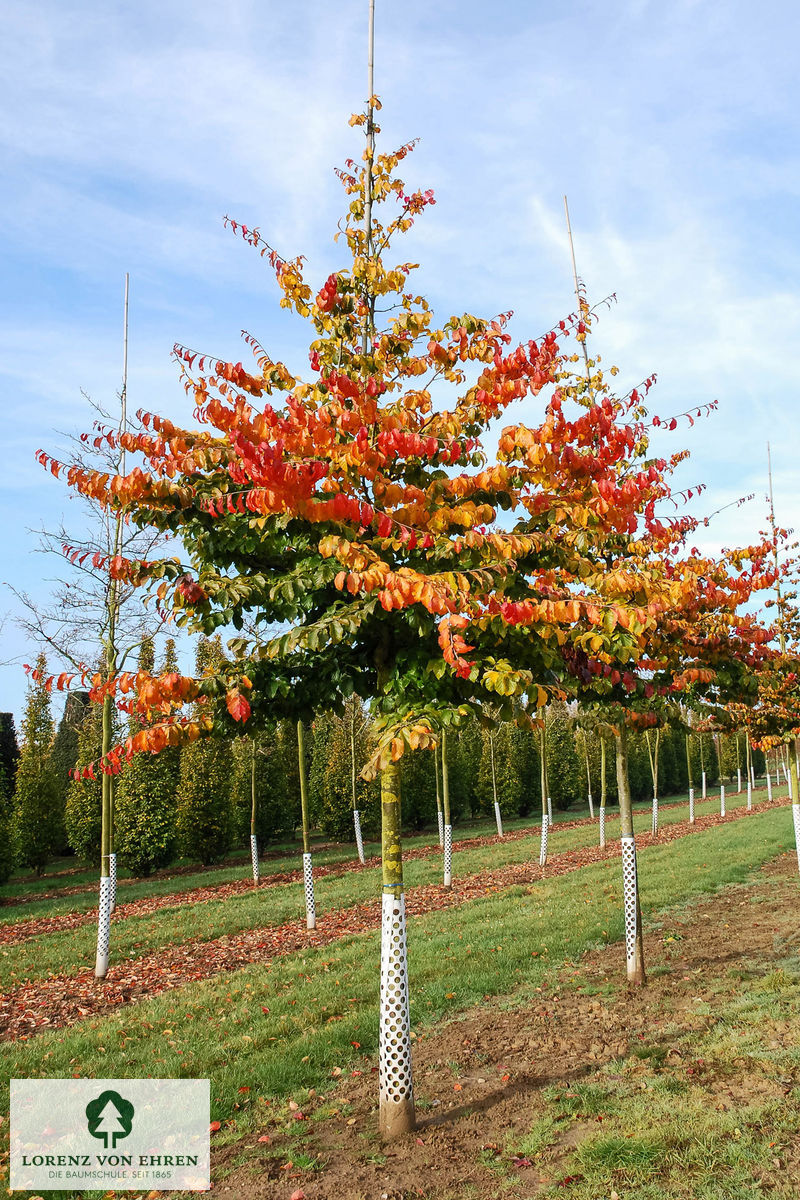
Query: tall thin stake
{"type": "Point", "coordinates": [581, 299]}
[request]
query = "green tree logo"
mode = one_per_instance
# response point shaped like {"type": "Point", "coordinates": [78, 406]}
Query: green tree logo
{"type": "Point", "coordinates": [109, 1117]}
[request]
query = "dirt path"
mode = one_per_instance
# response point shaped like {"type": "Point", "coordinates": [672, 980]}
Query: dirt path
{"type": "Point", "coordinates": [482, 1075]}
{"type": "Point", "coordinates": [65, 999]}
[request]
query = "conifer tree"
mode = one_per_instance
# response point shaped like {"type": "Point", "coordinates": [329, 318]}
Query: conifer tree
{"type": "Point", "coordinates": [9, 751]}
{"type": "Point", "coordinates": [35, 823]}
{"type": "Point", "coordinates": [205, 816]}
{"type": "Point", "coordinates": [83, 806]}
{"type": "Point", "coordinates": [64, 751]}
{"type": "Point", "coordinates": [145, 798]}
{"type": "Point", "coordinates": [6, 855]}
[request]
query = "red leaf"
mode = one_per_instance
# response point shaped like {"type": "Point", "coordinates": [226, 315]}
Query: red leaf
{"type": "Point", "coordinates": [214, 1126]}
{"type": "Point", "coordinates": [237, 705]}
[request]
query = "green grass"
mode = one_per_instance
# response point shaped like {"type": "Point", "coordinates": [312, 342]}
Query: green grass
{"type": "Point", "coordinates": [280, 1029]}
{"type": "Point", "coordinates": [60, 953]}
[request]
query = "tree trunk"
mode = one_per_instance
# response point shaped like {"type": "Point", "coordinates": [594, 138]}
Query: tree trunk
{"type": "Point", "coordinates": [308, 871]}
{"type": "Point", "coordinates": [439, 817]}
{"type": "Point", "coordinates": [602, 791]}
{"type": "Point", "coordinates": [795, 806]}
{"type": "Point", "coordinates": [394, 1059]}
{"type": "Point", "coordinates": [545, 807]}
{"type": "Point", "coordinates": [356, 813]}
{"type": "Point", "coordinates": [106, 852]}
{"type": "Point", "coordinates": [497, 816]}
{"type": "Point", "coordinates": [634, 945]}
{"type": "Point", "coordinates": [253, 815]}
{"type": "Point", "coordinates": [448, 828]}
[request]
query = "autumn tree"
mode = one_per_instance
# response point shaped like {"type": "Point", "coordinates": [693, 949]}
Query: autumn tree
{"type": "Point", "coordinates": [412, 570]}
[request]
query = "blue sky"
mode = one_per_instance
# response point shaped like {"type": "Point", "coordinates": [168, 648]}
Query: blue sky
{"type": "Point", "coordinates": [129, 130]}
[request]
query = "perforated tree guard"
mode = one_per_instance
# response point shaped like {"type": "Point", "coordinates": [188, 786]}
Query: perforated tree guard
{"type": "Point", "coordinates": [691, 806]}
{"type": "Point", "coordinates": [654, 818]}
{"type": "Point", "coordinates": [112, 874]}
{"type": "Point", "coordinates": [722, 799]}
{"type": "Point", "coordinates": [254, 856]}
{"type": "Point", "coordinates": [749, 796]}
{"type": "Point", "coordinates": [630, 889]}
{"type": "Point", "coordinates": [394, 1037]}
{"type": "Point", "coordinates": [499, 819]}
{"type": "Point", "coordinates": [359, 839]}
{"type": "Point", "coordinates": [602, 825]}
{"type": "Point", "coordinates": [308, 882]}
{"type": "Point", "coordinates": [543, 843]}
{"type": "Point", "coordinates": [769, 787]}
{"type": "Point", "coordinates": [549, 811]}
{"type": "Point", "coordinates": [103, 927]}
{"type": "Point", "coordinates": [796, 820]}
{"type": "Point", "coordinates": [448, 855]}
{"type": "Point", "coordinates": [441, 827]}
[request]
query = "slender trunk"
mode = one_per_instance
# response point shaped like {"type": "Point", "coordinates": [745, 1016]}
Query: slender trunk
{"type": "Point", "coordinates": [747, 765]}
{"type": "Point", "coordinates": [634, 946]}
{"type": "Point", "coordinates": [448, 828]}
{"type": "Point", "coordinates": [588, 774]}
{"type": "Point", "coordinates": [107, 856]}
{"type": "Point", "coordinates": [796, 806]}
{"type": "Point", "coordinates": [394, 1058]}
{"type": "Point", "coordinates": [253, 814]}
{"type": "Point", "coordinates": [308, 871]}
{"type": "Point", "coordinates": [602, 790]}
{"type": "Point", "coordinates": [356, 813]}
{"type": "Point", "coordinates": [545, 805]}
{"type": "Point", "coordinates": [497, 816]}
{"type": "Point", "coordinates": [653, 756]}
{"type": "Point", "coordinates": [439, 816]}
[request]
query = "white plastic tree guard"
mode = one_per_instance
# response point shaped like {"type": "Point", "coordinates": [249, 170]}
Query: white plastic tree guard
{"type": "Point", "coordinates": [543, 842]}
{"type": "Point", "coordinates": [103, 927]}
{"type": "Point", "coordinates": [654, 818]}
{"type": "Point", "coordinates": [591, 806]}
{"type": "Point", "coordinates": [441, 827]}
{"type": "Point", "coordinates": [722, 799]}
{"type": "Point", "coordinates": [549, 811]}
{"type": "Point", "coordinates": [448, 855]}
{"type": "Point", "coordinates": [359, 838]}
{"type": "Point", "coordinates": [691, 806]}
{"type": "Point", "coordinates": [308, 883]}
{"type": "Point", "coordinates": [112, 874]}
{"type": "Point", "coordinates": [630, 890]}
{"type": "Point", "coordinates": [498, 818]}
{"type": "Point", "coordinates": [796, 820]}
{"type": "Point", "coordinates": [749, 796]}
{"type": "Point", "coordinates": [769, 787]}
{"type": "Point", "coordinates": [602, 825]}
{"type": "Point", "coordinates": [704, 785]}
{"type": "Point", "coordinates": [394, 1035]}
{"type": "Point", "coordinates": [254, 856]}
{"type": "Point", "coordinates": [739, 778]}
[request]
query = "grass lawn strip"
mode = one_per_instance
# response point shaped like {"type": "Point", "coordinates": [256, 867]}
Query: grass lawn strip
{"type": "Point", "coordinates": [60, 954]}
{"type": "Point", "coordinates": [16, 931]}
{"type": "Point", "coordinates": [281, 1030]}
{"type": "Point", "coordinates": [65, 1000]}
{"type": "Point", "coordinates": [162, 888]}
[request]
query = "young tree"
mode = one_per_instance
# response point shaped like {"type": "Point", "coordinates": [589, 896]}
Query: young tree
{"type": "Point", "coordinates": [83, 806]}
{"type": "Point", "coordinates": [35, 824]}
